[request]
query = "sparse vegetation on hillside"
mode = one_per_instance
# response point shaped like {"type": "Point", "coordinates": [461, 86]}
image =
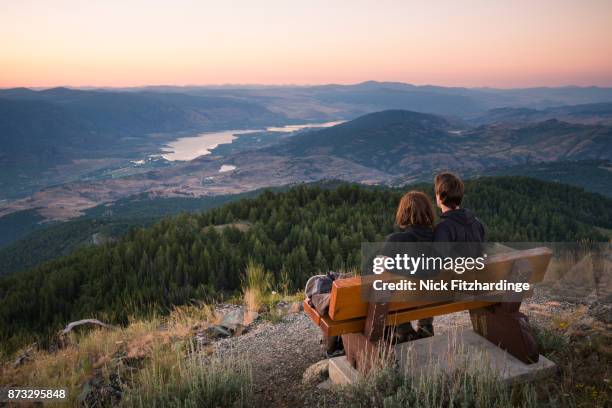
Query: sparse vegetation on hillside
{"type": "Point", "coordinates": [148, 363]}
{"type": "Point", "coordinates": [292, 235]}
{"type": "Point", "coordinates": [413, 144]}
{"type": "Point", "coordinates": [469, 387]}
{"type": "Point", "coordinates": [172, 379]}
{"type": "Point", "coordinates": [162, 361]}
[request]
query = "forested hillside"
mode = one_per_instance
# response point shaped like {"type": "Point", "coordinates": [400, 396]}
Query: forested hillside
{"type": "Point", "coordinates": [293, 234]}
{"type": "Point", "coordinates": [48, 242]}
{"type": "Point", "coordinates": [593, 175]}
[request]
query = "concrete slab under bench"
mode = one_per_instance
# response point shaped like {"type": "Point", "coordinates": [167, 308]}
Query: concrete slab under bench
{"type": "Point", "coordinates": [448, 352]}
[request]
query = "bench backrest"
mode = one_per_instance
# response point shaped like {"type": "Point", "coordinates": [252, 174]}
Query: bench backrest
{"type": "Point", "coordinates": [348, 311]}
{"type": "Point", "coordinates": [346, 296]}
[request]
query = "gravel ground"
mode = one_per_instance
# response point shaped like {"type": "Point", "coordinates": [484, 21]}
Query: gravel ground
{"type": "Point", "coordinates": [279, 354]}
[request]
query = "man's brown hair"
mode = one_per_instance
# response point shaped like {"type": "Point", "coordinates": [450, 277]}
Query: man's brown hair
{"type": "Point", "coordinates": [450, 189]}
{"type": "Point", "coordinates": [415, 208]}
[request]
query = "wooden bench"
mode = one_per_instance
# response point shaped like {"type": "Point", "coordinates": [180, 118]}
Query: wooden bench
{"type": "Point", "coordinates": [361, 324]}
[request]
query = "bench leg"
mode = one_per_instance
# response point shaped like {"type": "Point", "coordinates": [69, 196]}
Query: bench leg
{"type": "Point", "coordinates": [361, 353]}
{"type": "Point", "coordinates": [375, 320]}
{"type": "Point", "coordinates": [504, 325]}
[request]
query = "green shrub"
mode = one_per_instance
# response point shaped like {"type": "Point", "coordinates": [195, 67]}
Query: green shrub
{"type": "Point", "coordinates": [549, 342]}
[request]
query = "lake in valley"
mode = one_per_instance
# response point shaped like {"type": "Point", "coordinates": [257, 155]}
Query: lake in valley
{"type": "Point", "coordinates": [190, 147]}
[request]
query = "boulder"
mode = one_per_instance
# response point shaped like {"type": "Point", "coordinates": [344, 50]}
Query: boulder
{"type": "Point", "coordinates": [216, 332]}
{"type": "Point", "coordinates": [316, 373]}
{"type": "Point", "coordinates": [233, 320]}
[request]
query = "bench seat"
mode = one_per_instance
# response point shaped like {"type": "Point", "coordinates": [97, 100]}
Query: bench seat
{"type": "Point", "coordinates": [331, 327]}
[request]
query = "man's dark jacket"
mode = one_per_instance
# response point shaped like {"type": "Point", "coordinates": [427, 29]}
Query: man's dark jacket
{"type": "Point", "coordinates": [459, 226]}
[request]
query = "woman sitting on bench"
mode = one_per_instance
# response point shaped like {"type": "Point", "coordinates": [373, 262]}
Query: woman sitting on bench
{"type": "Point", "coordinates": [415, 218]}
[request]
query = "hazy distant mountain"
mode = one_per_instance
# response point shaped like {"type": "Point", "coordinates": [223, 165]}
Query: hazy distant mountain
{"type": "Point", "coordinates": [489, 98]}
{"type": "Point", "coordinates": [322, 102]}
{"type": "Point", "coordinates": [594, 113]}
{"type": "Point", "coordinates": [138, 113]}
{"type": "Point", "coordinates": [374, 96]}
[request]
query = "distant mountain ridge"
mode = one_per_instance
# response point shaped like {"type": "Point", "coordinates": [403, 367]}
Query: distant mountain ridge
{"type": "Point", "coordinates": [322, 102]}
{"type": "Point", "coordinates": [139, 113]}
{"type": "Point", "coordinates": [593, 113]}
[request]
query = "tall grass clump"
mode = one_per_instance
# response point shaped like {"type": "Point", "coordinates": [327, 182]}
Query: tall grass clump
{"type": "Point", "coordinates": [467, 381]}
{"type": "Point", "coordinates": [149, 361]}
{"type": "Point", "coordinates": [256, 286]}
{"type": "Point", "coordinates": [387, 387]}
{"type": "Point", "coordinates": [173, 380]}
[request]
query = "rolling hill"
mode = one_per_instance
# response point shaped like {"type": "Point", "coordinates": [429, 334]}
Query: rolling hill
{"type": "Point", "coordinates": [593, 175]}
{"type": "Point", "coordinates": [379, 140]}
{"type": "Point", "coordinates": [332, 101]}
{"type": "Point", "coordinates": [408, 143]}
{"type": "Point", "coordinates": [390, 147]}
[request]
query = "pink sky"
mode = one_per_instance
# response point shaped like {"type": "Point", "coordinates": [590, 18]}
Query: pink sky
{"type": "Point", "coordinates": [457, 43]}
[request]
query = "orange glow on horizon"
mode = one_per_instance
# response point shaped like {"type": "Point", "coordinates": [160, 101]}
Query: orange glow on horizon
{"type": "Point", "coordinates": [476, 43]}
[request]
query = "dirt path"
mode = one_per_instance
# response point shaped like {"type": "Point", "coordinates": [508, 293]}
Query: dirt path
{"type": "Point", "coordinates": [279, 354]}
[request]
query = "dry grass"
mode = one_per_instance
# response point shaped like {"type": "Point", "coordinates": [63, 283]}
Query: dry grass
{"type": "Point", "coordinates": [84, 356]}
{"type": "Point", "coordinates": [198, 380]}
{"type": "Point", "coordinates": [107, 355]}
{"type": "Point", "coordinates": [256, 287]}
{"type": "Point", "coordinates": [584, 358]}
{"type": "Point", "coordinates": [470, 384]}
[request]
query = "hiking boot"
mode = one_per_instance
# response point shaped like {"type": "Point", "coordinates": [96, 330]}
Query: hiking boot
{"type": "Point", "coordinates": [404, 332]}
{"type": "Point", "coordinates": [424, 332]}
{"type": "Point", "coordinates": [335, 353]}
{"type": "Point", "coordinates": [333, 346]}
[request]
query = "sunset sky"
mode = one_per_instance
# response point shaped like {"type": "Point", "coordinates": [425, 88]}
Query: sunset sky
{"type": "Point", "coordinates": [458, 43]}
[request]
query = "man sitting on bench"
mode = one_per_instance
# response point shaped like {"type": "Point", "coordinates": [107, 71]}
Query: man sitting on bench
{"type": "Point", "coordinates": [457, 224]}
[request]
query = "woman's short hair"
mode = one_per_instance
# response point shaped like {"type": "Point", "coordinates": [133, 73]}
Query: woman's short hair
{"type": "Point", "coordinates": [450, 189]}
{"type": "Point", "coordinates": [415, 208]}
